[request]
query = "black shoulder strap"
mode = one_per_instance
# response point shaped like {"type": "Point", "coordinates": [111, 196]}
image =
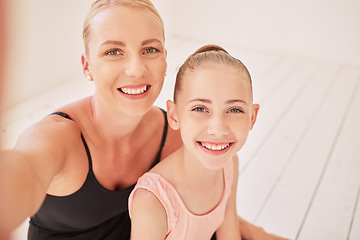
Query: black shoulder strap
{"type": "Point", "coordinates": [64, 115]}
{"type": "Point", "coordinates": [165, 130]}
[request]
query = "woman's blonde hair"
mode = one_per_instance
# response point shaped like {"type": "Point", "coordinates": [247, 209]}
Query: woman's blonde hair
{"type": "Point", "coordinates": [208, 54]}
{"type": "Point", "coordinates": [100, 5]}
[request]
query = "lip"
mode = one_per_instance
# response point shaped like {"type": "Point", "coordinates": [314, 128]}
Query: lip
{"type": "Point", "coordinates": [215, 152]}
{"type": "Point", "coordinates": [134, 87]}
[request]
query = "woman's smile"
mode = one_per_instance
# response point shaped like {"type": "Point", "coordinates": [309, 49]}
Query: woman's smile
{"type": "Point", "coordinates": [134, 90]}
{"type": "Point", "coordinates": [138, 91]}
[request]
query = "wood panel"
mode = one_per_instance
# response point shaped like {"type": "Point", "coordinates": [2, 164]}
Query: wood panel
{"type": "Point", "coordinates": [330, 213]}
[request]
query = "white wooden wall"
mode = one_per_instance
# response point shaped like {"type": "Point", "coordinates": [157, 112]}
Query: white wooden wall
{"type": "Point", "coordinates": [45, 40]}
{"type": "Point", "coordinates": [326, 29]}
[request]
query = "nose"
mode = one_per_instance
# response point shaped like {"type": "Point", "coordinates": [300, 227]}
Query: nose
{"type": "Point", "coordinates": [135, 67]}
{"type": "Point", "coordinates": [218, 126]}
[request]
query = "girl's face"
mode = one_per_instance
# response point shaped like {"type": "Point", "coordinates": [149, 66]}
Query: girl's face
{"type": "Point", "coordinates": [126, 58]}
{"type": "Point", "coordinates": [214, 112]}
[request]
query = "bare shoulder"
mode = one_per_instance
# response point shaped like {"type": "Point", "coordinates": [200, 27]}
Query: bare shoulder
{"type": "Point", "coordinates": [54, 129]}
{"type": "Point", "coordinates": [146, 200]}
{"type": "Point", "coordinates": [148, 216]}
{"type": "Point", "coordinates": [49, 142]}
{"type": "Point", "coordinates": [62, 131]}
{"type": "Point", "coordinates": [50, 131]}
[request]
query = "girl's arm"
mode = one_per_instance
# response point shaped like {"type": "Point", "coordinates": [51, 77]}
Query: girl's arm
{"type": "Point", "coordinates": [230, 228]}
{"type": "Point", "coordinates": [148, 217]}
{"type": "Point", "coordinates": [27, 170]}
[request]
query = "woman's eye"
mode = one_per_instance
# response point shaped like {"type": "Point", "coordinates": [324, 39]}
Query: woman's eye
{"type": "Point", "coordinates": [236, 110]}
{"type": "Point", "coordinates": [151, 50]}
{"type": "Point", "coordinates": [113, 52]}
{"type": "Point", "coordinates": [199, 109]}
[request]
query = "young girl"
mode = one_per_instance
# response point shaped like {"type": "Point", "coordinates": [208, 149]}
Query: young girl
{"type": "Point", "coordinates": [192, 193]}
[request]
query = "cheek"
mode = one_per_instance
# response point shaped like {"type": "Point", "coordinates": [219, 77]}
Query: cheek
{"type": "Point", "coordinates": [103, 71]}
{"type": "Point", "coordinates": [159, 69]}
{"type": "Point", "coordinates": [242, 129]}
{"type": "Point", "coordinates": [189, 129]}
{"type": "Point", "coordinates": [157, 62]}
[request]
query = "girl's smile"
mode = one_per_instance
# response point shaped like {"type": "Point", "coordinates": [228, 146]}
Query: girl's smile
{"type": "Point", "coordinates": [215, 148]}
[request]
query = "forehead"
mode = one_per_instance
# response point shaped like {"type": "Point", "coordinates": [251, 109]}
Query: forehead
{"type": "Point", "coordinates": [215, 80]}
{"type": "Point", "coordinates": [127, 23]}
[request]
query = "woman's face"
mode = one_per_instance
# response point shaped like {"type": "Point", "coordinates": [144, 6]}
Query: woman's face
{"type": "Point", "coordinates": [126, 58]}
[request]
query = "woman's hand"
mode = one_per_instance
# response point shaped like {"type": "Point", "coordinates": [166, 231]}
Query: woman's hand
{"type": "Point", "coordinates": [252, 232]}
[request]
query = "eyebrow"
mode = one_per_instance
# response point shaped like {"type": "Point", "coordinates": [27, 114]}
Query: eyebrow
{"type": "Point", "coordinates": [120, 43]}
{"type": "Point", "coordinates": [209, 101]}
{"type": "Point", "coordinates": [151, 41]}
{"type": "Point", "coordinates": [237, 101]}
{"type": "Point", "coordinates": [114, 42]}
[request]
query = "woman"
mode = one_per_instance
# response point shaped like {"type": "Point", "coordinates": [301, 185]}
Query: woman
{"type": "Point", "coordinates": [74, 170]}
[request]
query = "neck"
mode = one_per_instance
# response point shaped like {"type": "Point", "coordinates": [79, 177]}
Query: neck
{"type": "Point", "coordinates": [112, 125]}
{"type": "Point", "coordinates": [193, 169]}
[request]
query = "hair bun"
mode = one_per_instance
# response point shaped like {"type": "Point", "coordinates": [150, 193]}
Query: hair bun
{"type": "Point", "coordinates": [210, 47]}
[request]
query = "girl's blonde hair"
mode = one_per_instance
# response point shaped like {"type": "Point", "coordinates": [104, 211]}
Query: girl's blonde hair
{"type": "Point", "coordinates": [100, 5]}
{"type": "Point", "coordinates": [208, 54]}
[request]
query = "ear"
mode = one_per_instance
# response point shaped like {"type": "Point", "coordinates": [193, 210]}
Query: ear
{"type": "Point", "coordinates": [85, 64]}
{"type": "Point", "coordinates": [255, 110]}
{"type": "Point", "coordinates": [171, 115]}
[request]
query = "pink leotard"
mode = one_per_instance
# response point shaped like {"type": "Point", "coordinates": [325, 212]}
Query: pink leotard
{"type": "Point", "coordinates": [182, 224]}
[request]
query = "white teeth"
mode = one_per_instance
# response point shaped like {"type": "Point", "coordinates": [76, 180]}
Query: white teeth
{"type": "Point", "coordinates": [215, 147]}
{"type": "Point", "coordinates": [133, 91]}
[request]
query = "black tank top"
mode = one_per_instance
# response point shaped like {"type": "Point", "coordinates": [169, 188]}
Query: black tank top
{"type": "Point", "coordinates": [93, 212]}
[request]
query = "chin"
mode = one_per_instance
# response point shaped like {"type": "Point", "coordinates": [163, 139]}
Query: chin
{"type": "Point", "coordinates": [138, 112]}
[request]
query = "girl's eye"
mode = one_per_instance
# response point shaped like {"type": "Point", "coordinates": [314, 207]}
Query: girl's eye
{"type": "Point", "coordinates": [150, 50]}
{"type": "Point", "coordinates": [113, 52]}
{"type": "Point", "coordinates": [236, 110]}
{"type": "Point", "coordinates": [199, 109]}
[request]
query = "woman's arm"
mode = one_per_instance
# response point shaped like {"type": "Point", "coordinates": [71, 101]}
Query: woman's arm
{"type": "Point", "coordinates": [230, 228]}
{"type": "Point", "coordinates": [251, 232]}
{"type": "Point", "coordinates": [27, 170]}
{"type": "Point", "coordinates": [248, 230]}
{"type": "Point", "coordinates": [148, 217]}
